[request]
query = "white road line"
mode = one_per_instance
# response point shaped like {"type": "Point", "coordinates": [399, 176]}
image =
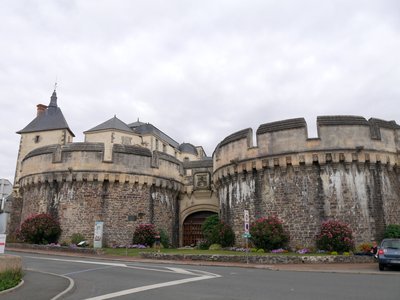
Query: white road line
{"type": "Point", "coordinates": [151, 287]}
{"type": "Point", "coordinates": [87, 270]}
{"type": "Point", "coordinates": [67, 290]}
{"type": "Point", "coordinates": [170, 270]}
{"type": "Point", "coordinates": [81, 261]}
{"type": "Point", "coordinates": [181, 271]}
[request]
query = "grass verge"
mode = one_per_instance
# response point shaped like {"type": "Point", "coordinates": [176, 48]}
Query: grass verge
{"type": "Point", "coordinates": [135, 252]}
{"type": "Point", "coordinates": [9, 279]}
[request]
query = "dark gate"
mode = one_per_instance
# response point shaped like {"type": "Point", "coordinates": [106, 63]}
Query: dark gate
{"type": "Point", "coordinates": [192, 227]}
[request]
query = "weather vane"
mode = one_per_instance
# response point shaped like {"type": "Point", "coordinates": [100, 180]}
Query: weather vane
{"type": "Point", "coordinates": [55, 84]}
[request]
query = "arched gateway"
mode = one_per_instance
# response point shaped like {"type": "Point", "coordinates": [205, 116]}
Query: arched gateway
{"type": "Point", "coordinates": [192, 233]}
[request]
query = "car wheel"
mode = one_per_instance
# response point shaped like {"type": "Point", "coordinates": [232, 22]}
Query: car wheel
{"type": "Point", "coordinates": [381, 267]}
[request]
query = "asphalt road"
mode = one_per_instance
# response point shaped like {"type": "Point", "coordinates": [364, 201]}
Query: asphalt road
{"type": "Point", "coordinates": [81, 278]}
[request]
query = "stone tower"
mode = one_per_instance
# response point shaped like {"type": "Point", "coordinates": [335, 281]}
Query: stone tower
{"type": "Point", "coordinates": [48, 128]}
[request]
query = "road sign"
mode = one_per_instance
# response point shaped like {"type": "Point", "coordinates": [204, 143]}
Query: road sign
{"type": "Point", "coordinates": [2, 243]}
{"type": "Point", "coordinates": [98, 235]}
{"type": "Point", "coordinates": [246, 235]}
{"type": "Point", "coordinates": [246, 221]}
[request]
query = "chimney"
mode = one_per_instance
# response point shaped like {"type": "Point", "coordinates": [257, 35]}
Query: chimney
{"type": "Point", "coordinates": [41, 108]}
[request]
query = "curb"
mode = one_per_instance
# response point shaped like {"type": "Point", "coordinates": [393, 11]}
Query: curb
{"type": "Point", "coordinates": [13, 288]}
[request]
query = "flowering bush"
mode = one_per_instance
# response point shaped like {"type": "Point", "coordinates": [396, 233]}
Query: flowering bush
{"type": "Point", "coordinates": [280, 250]}
{"type": "Point", "coordinates": [40, 229]}
{"type": "Point", "coordinates": [129, 246]}
{"type": "Point", "coordinates": [364, 247]}
{"type": "Point", "coordinates": [335, 236]}
{"type": "Point", "coordinates": [144, 234]}
{"type": "Point", "coordinates": [268, 233]}
{"type": "Point", "coordinates": [216, 231]}
{"type": "Point", "coordinates": [303, 251]}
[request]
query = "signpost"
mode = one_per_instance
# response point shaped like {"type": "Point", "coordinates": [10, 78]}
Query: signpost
{"type": "Point", "coordinates": [98, 235]}
{"type": "Point", "coordinates": [2, 243]}
{"type": "Point", "coordinates": [246, 234]}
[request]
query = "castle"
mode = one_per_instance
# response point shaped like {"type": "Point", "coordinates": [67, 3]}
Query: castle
{"type": "Point", "coordinates": [128, 174]}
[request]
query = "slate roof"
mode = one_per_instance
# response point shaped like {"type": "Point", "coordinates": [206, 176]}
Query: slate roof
{"type": "Point", "coordinates": [136, 124]}
{"type": "Point", "coordinates": [113, 123]}
{"type": "Point", "coordinates": [147, 128]}
{"type": "Point", "coordinates": [188, 148]}
{"type": "Point", "coordinates": [51, 119]}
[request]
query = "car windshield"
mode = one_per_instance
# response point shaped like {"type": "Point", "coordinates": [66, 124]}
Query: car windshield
{"type": "Point", "coordinates": [391, 244]}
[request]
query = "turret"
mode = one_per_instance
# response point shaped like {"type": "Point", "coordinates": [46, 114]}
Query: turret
{"type": "Point", "coordinates": [48, 128]}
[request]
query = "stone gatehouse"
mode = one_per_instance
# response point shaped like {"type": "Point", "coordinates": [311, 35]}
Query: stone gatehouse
{"type": "Point", "coordinates": [125, 174]}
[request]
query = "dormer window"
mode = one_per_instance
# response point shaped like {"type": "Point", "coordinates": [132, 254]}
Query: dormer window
{"type": "Point", "coordinates": [37, 139]}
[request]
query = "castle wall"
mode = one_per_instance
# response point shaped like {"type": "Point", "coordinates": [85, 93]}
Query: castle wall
{"type": "Point", "coordinates": [121, 206]}
{"type": "Point", "coordinates": [76, 185]}
{"type": "Point", "coordinates": [34, 140]}
{"type": "Point", "coordinates": [348, 173]}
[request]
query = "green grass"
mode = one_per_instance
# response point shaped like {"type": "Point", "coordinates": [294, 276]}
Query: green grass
{"type": "Point", "coordinates": [9, 279]}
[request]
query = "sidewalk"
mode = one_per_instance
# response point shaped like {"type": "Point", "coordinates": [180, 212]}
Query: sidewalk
{"type": "Point", "coordinates": [33, 285]}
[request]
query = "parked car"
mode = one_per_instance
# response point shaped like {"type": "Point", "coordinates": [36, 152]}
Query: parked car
{"type": "Point", "coordinates": [389, 253]}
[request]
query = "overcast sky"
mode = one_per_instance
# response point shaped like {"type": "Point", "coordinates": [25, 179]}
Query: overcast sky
{"type": "Point", "coordinates": [197, 70]}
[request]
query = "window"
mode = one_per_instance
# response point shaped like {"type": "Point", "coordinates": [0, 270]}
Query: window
{"type": "Point", "coordinates": [37, 139]}
{"type": "Point", "coordinates": [164, 148]}
{"type": "Point", "coordinates": [156, 144]}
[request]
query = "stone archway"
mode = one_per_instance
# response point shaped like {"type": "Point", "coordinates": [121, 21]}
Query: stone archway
{"type": "Point", "coordinates": [192, 227]}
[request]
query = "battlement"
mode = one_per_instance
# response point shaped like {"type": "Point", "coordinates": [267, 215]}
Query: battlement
{"type": "Point", "coordinates": [86, 162]}
{"type": "Point", "coordinates": [286, 142]}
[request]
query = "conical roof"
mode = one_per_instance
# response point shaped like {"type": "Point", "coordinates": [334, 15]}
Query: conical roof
{"type": "Point", "coordinates": [51, 118]}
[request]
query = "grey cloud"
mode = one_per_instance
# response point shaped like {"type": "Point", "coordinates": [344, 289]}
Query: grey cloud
{"type": "Point", "coordinates": [197, 70]}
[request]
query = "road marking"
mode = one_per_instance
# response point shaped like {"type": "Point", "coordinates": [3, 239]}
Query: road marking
{"type": "Point", "coordinates": [169, 270]}
{"type": "Point", "coordinates": [181, 271]}
{"type": "Point", "coordinates": [67, 290]}
{"type": "Point", "coordinates": [81, 261]}
{"type": "Point", "coordinates": [87, 270]}
{"type": "Point", "coordinates": [151, 287]}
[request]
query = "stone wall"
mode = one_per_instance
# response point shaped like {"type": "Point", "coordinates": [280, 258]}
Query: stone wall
{"type": "Point", "coordinates": [121, 206]}
{"type": "Point", "coordinates": [75, 184]}
{"type": "Point", "coordinates": [350, 173]}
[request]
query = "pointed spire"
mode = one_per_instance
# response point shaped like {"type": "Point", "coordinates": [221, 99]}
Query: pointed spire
{"type": "Point", "coordinates": [53, 100]}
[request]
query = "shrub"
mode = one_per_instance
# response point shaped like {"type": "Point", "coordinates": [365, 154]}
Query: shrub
{"type": "Point", "coordinates": [364, 247]}
{"type": "Point", "coordinates": [40, 229]}
{"type": "Point", "coordinates": [164, 238]}
{"type": "Point", "coordinates": [392, 231]}
{"type": "Point", "coordinates": [260, 251]}
{"type": "Point", "coordinates": [77, 238]}
{"type": "Point", "coordinates": [216, 231]}
{"type": "Point", "coordinates": [335, 236]}
{"type": "Point", "coordinates": [9, 279]}
{"type": "Point", "coordinates": [268, 233]}
{"type": "Point", "coordinates": [202, 245]}
{"type": "Point", "coordinates": [215, 247]}
{"type": "Point", "coordinates": [144, 235]}
{"type": "Point", "coordinates": [209, 231]}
